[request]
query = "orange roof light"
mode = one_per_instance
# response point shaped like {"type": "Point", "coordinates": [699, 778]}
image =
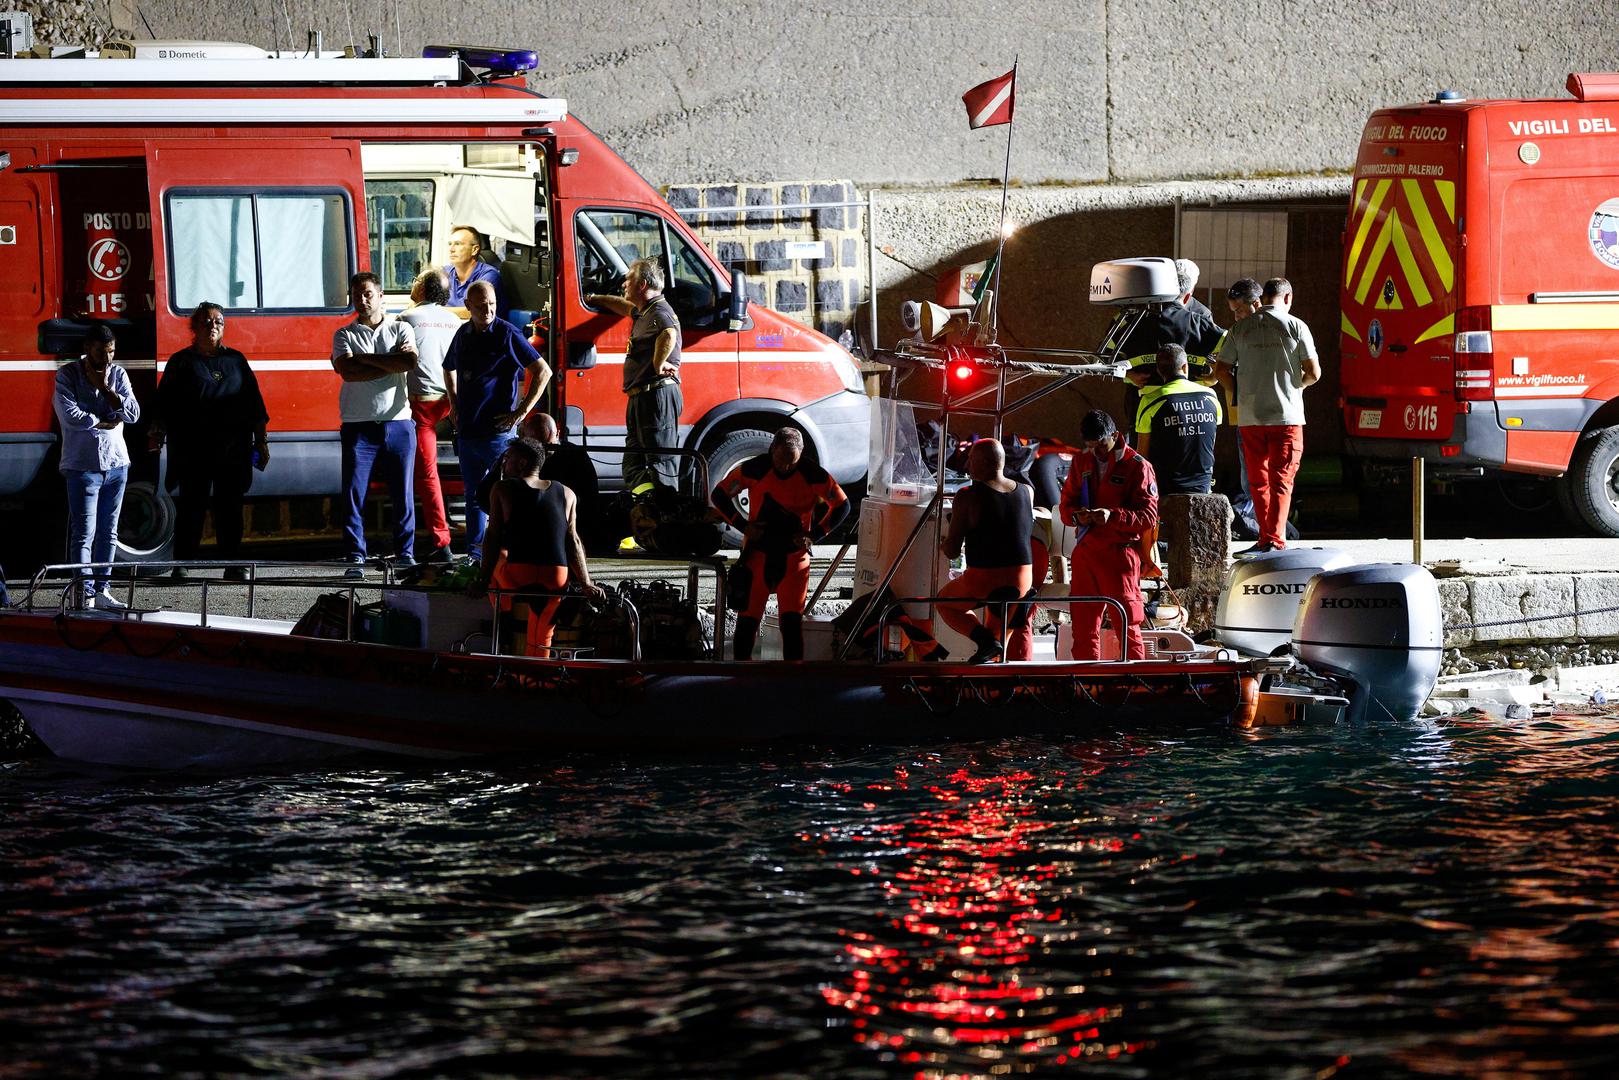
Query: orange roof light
{"type": "Point", "coordinates": [1594, 86]}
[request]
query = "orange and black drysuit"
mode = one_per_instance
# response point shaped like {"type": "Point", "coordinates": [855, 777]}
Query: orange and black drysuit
{"type": "Point", "coordinates": [805, 503]}
{"type": "Point", "coordinates": [1105, 560]}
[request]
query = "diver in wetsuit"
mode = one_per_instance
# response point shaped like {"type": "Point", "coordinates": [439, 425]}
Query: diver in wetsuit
{"type": "Point", "coordinates": [791, 504]}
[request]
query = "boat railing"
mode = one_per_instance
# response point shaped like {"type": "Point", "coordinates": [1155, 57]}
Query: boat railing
{"type": "Point", "coordinates": [130, 578]}
{"type": "Point", "coordinates": [1001, 604]}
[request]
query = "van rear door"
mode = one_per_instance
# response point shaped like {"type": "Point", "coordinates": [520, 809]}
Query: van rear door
{"type": "Point", "coordinates": [1399, 289]}
{"type": "Point", "coordinates": [268, 231]}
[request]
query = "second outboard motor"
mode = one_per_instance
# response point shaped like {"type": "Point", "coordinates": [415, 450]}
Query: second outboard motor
{"type": "Point", "coordinates": [1255, 613]}
{"type": "Point", "coordinates": [1378, 627]}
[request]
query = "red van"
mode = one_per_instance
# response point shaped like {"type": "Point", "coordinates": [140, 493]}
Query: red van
{"type": "Point", "coordinates": [1480, 290]}
{"type": "Point", "coordinates": [133, 188]}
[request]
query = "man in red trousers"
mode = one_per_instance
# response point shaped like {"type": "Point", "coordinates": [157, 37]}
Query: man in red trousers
{"type": "Point", "coordinates": [1112, 494]}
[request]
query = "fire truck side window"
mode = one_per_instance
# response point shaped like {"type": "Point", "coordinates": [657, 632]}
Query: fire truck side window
{"type": "Point", "coordinates": [693, 290]}
{"type": "Point", "coordinates": [270, 251]}
{"type": "Point", "coordinates": [609, 240]}
{"type": "Point", "coordinates": [400, 218]}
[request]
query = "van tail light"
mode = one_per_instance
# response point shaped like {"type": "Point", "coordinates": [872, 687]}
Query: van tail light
{"type": "Point", "coordinates": [1474, 355]}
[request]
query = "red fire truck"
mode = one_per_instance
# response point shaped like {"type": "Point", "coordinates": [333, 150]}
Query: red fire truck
{"type": "Point", "coordinates": [134, 188]}
{"type": "Point", "coordinates": [1480, 290]}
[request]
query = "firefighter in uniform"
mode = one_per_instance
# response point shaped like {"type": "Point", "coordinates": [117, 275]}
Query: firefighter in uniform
{"type": "Point", "coordinates": [1112, 493]}
{"type": "Point", "coordinates": [1177, 322]}
{"type": "Point", "coordinates": [791, 504]}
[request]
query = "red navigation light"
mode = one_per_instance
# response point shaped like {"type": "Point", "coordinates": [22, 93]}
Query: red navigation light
{"type": "Point", "coordinates": [963, 371]}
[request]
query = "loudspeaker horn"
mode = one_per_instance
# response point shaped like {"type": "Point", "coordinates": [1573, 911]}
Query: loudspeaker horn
{"type": "Point", "coordinates": [933, 320]}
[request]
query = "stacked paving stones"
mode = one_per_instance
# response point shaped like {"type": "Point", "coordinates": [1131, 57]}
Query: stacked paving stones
{"type": "Point", "coordinates": [822, 293]}
{"type": "Point", "coordinates": [1530, 608]}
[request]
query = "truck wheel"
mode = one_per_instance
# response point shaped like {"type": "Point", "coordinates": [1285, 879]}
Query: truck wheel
{"type": "Point", "coordinates": [145, 524]}
{"type": "Point", "coordinates": [735, 448]}
{"type": "Point", "coordinates": [1593, 480]}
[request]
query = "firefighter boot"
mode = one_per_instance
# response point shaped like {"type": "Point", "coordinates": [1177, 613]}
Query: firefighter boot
{"type": "Point", "coordinates": [989, 648]}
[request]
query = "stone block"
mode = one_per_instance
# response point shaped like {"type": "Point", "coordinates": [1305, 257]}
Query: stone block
{"type": "Point", "coordinates": [757, 293]}
{"type": "Point", "coordinates": [1584, 680]}
{"type": "Point", "coordinates": [1197, 529]}
{"type": "Point", "coordinates": [1456, 608]}
{"type": "Point", "coordinates": [1522, 695]}
{"type": "Point", "coordinates": [791, 296]}
{"type": "Point", "coordinates": [829, 296]}
{"type": "Point", "coordinates": [850, 257]}
{"type": "Point", "coordinates": [771, 255]}
{"type": "Point", "coordinates": [1594, 593]}
{"type": "Point", "coordinates": [730, 253]}
{"type": "Point", "coordinates": [1446, 685]}
{"type": "Point", "coordinates": [1523, 607]}
{"type": "Point", "coordinates": [831, 193]}
{"type": "Point", "coordinates": [720, 195]}
{"type": "Point", "coordinates": [760, 196]}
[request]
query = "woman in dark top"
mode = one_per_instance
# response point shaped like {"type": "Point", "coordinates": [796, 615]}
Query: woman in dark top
{"type": "Point", "coordinates": [210, 411]}
{"type": "Point", "coordinates": [532, 543]}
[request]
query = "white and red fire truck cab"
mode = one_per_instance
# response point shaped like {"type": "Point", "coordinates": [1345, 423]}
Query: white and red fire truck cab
{"type": "Point", "coordinates": [1480, 290]}
{"type": "Point", "coordinates": [133, 189]}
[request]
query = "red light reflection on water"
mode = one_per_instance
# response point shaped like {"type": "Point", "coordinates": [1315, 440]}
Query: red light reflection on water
{"type": "Point", "coordinates": [958, 976]}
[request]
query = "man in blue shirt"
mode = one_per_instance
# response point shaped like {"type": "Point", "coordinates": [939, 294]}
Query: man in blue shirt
{"type": "Point", "coordinates": [465, 269]}
{"type": "Point", "coordinates": [93, 402]}
{"type": "Point", "coordinates": [484, 374]}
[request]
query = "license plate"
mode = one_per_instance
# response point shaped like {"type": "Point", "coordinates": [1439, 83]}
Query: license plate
{"type": "Point", "coordinates": [1371, 418]}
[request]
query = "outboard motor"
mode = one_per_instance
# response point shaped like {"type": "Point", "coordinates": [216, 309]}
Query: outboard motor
{"type": "Point", "coordinates": [1255, 613]}
{"type": "Point", "coordinates": [1379, 628]}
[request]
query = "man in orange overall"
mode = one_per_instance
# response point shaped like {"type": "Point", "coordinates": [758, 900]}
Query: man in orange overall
{"type": "Point", "coordinates": [994, 518]}
{"type": "Point", "coordinates": [1110, 491]}
{"type": "Point", "coordinates": [791, 504]}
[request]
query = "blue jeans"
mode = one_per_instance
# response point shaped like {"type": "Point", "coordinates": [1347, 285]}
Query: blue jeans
{"type": "Point", "coordinates": [479, 455]}
{"type": "Point", "coordinates": [388, 448]}
{"type": "Point", "coordinates": [93, 501]}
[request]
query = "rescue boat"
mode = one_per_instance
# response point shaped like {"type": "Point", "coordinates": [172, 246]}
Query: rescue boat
{"type": "Point", "coordinates": [1306, 637]}
{"type": "Point", "coordinates": [165, 690]}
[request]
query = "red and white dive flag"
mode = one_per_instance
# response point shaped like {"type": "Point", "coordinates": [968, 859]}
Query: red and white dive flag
{"type": "Point", "coordinates": [990, 103]}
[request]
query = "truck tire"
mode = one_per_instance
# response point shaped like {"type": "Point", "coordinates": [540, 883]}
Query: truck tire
{"type": "Point", "coordinates": [1593, 480]}
{"type": "Point", "coordinates": [145, 524]}
{"type": "Point", "coordinates": [736, 447]}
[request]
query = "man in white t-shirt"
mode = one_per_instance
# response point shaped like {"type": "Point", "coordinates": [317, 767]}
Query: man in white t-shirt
{"type": "Point", "coordinates": [1272, 354]}
{"type": "Point", "coordinates": [374, 355]}
{"type": "Point", "coordinates": [434, 325]}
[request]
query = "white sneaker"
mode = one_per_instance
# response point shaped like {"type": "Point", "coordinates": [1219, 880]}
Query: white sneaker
{"type": "Point", "coordinates": [104, 600]}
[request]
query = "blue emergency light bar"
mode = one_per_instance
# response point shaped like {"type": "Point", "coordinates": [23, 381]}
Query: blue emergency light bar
{"type": "Point", "coordinates": [498, 61]}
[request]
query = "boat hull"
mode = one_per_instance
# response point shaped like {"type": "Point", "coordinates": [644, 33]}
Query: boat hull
{"type": "Point", "coordinates": [119, 692]}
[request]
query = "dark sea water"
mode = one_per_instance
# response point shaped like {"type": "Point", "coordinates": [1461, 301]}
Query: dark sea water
{"type": "Point", "coordinates": [1399, 900]}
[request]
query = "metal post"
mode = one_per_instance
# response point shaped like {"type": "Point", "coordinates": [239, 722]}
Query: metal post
{"type": "Point", "coordinates": [871, 265]}
{"type": "Point", "coordinates": [938, 522]}
{"type": "Point", "coordinates": [1417, 510]}
{"type": "Point", "coordinates": [934, 506]}
{"type": "Point", "coordinates": [826, 578]}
